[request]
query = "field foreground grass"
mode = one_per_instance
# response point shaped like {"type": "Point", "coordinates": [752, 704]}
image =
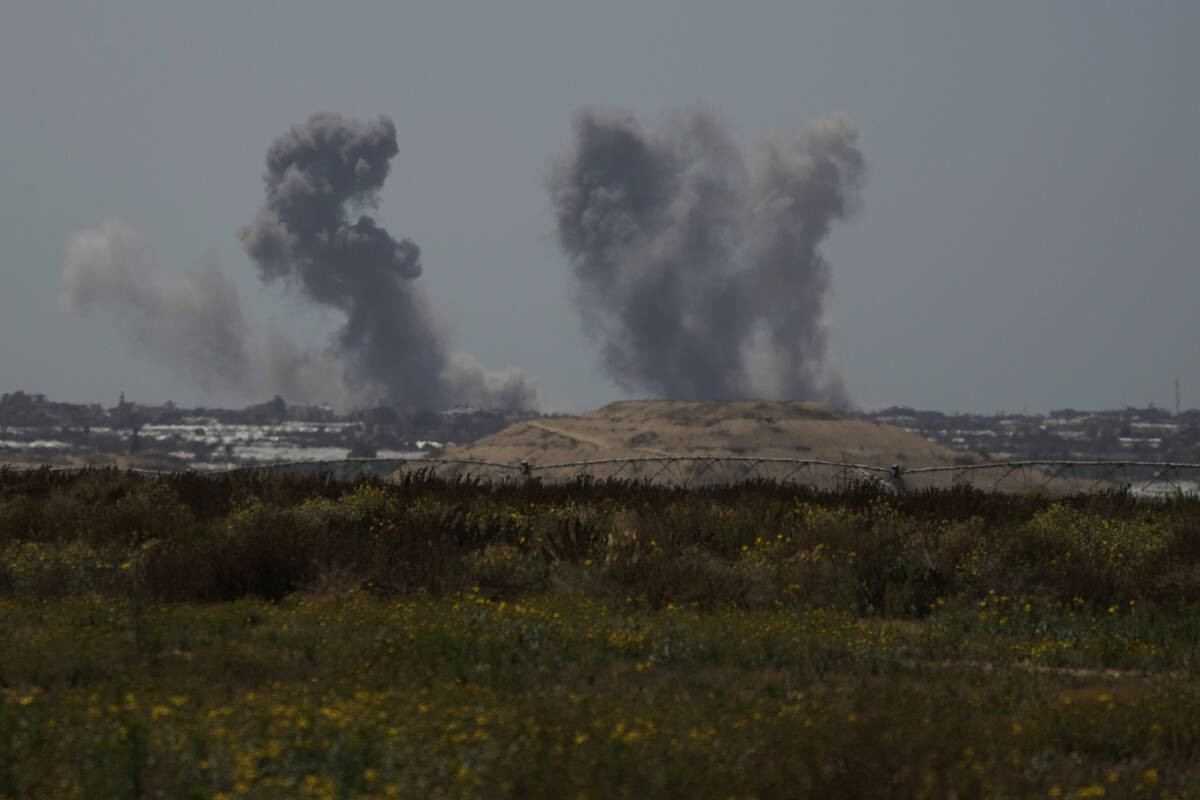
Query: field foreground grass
{"type": "Point", "coordinates": [236, 636]}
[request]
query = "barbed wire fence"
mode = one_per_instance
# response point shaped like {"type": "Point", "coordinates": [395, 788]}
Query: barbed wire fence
{"type": "Point", "coordinates": [1059, 477]}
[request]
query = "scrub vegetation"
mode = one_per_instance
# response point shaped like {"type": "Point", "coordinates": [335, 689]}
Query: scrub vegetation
{"type": "Point", "coordinates": [242, 635]}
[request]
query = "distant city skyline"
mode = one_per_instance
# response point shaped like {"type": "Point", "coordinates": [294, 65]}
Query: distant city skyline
{"type": "Point", "coordinates": [1026, 236]}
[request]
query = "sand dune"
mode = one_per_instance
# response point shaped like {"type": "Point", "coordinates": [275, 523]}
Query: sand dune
{"type": "Point", "coordinates": [684, 428]}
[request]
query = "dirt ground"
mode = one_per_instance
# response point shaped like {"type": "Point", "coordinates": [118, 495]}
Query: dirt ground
{"type": "Point", "coordinates": [738, 428]}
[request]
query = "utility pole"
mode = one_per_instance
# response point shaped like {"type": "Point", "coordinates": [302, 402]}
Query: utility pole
{"type": "Point", "coordinates": [1177, 397]}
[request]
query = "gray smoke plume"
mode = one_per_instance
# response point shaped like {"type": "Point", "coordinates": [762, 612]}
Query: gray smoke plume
{"type": "Point", "coordinates": [193, 322]}
{"type": "Point", "coordinates": [391, 344]}
{"type": "Point", "coordinates": [316, 174]}
{"type": "Point", "coordinates": [699, 276]}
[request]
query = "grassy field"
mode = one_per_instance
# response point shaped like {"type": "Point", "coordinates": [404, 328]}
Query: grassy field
{"type": "Point", "coordinates": [240, 636]}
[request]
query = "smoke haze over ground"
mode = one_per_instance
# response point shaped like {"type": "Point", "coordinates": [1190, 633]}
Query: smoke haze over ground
{"type": "Point", "coordinates": [194, 322]}
{"type": "Point", "coordinates": [697, 274]}
{"type": "Point", "coordinates": [391, 346]}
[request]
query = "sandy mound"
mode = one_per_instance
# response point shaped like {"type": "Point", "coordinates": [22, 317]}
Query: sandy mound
{"type": "Point", "coordinates": [683, 428]}
{"type": "Point", "coordinates": [747, 429]}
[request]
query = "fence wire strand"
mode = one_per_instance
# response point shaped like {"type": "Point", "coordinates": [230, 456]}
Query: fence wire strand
{"type": "Point", "coordinates": [1149, 478]}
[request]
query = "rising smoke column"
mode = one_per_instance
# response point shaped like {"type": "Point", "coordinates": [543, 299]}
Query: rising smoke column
{"type": "Point", "coordinates": [391, 344]}
{"type": "Point", "coordinates": [699, 276]}
{"type": "Point", "coordinates": [315, 173]}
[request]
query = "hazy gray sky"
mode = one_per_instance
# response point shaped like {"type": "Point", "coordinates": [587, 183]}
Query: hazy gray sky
{"type": "Point", "coordinates": [1028, 237]}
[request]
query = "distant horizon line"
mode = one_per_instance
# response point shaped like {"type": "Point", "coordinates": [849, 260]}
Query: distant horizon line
{"type": "Point", "coordinates": [862, 410]}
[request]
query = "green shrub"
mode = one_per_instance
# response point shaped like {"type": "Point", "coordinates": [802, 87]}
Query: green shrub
{"type": "Point", "coordinates": [149, 510]}
{"type": "Point", "coordinates": [263, 551]}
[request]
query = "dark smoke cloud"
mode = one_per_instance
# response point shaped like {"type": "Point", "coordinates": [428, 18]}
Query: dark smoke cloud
{"type": "Point", "coordinates": [699, 276]}
{"type": "Point", "coordinates": [391, 346]}
{"type": "Point", "coordinates": [316, 174]}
